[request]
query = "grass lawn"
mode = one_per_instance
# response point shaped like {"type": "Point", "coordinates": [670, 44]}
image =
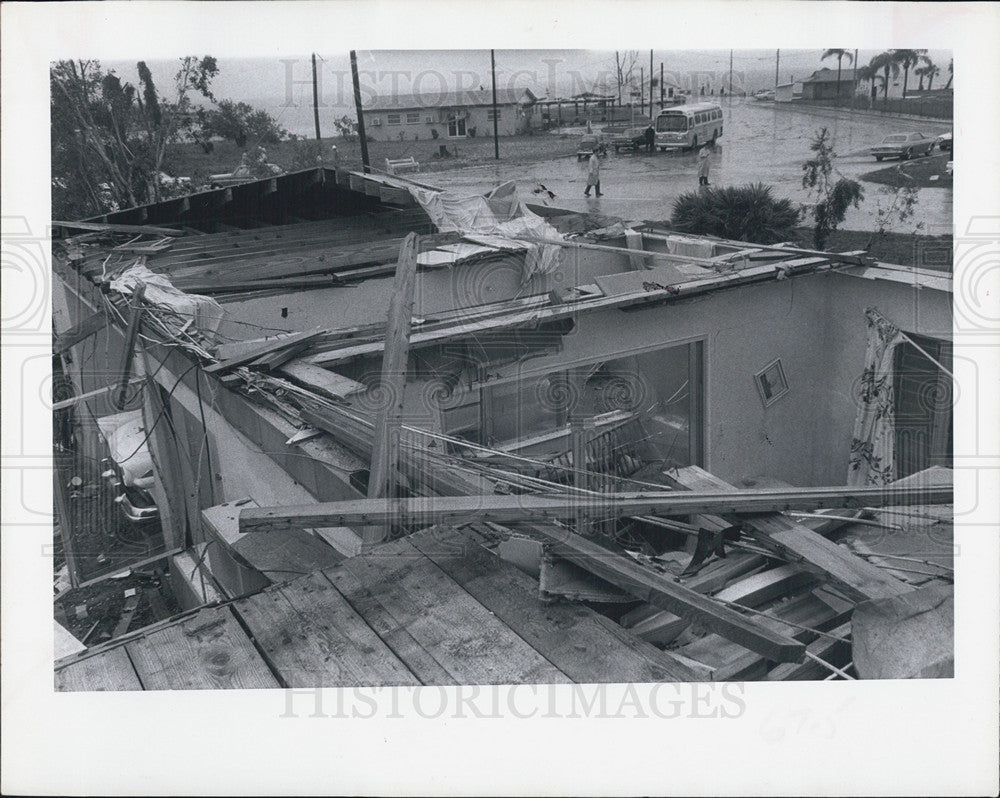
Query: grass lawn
{"type": "Point", "coordinates": [919, 173]}
{"type": "Point", "coordinates": [190, 160]}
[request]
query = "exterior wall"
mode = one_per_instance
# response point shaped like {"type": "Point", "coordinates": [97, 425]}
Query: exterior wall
{"type": "Point", "coordinates": [814, 323]}
{"type": "Point", "coordinates": [923, 312]}
{"type": "Point", "coordinates": [513, 120]}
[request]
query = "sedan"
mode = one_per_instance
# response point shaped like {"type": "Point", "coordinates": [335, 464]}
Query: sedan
{"type": "Point", "coordinates": [903, 146]}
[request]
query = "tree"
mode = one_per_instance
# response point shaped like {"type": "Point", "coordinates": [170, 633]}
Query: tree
{"type": "Point", "coordinates": [931, 71]}
{"type": "Point", "coordinates": [109, 138]}
{"type": "Point", "coordinates": [907, 59]}
{"type": "Point", "coordinates": [864, 75]}
{"type": "Point", "coordinates": [242, 123]}
{"type": "Point", "coordinates": [833, 198]}
{"type": "Point", "coordinates": [625, 63]}
{"type": "Point", "coordinates": [744, 213]}
{"type": "Point", "coordinates": [888, 66]}
{"type": "Point", "coordinates": [840, 55]}
{"type": "Point", "coordinates": [951, 72]}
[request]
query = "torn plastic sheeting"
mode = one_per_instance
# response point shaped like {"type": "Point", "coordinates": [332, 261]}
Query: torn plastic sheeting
{"type": "Point", "coordinates": [205, 312]}
{"type": "Point", "coordinates": [501, 214]}
{"type": "Point", "coordinates": [125, 434]}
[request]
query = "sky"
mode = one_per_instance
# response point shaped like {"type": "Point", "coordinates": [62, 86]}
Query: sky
{"type": "Point", "coordinates": [281, 84]}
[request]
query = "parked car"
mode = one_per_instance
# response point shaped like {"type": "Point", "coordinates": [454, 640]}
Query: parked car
{"type": "Point", "coordinates": [944, 141]}
{"type": "Point", "coordinates": [633, 138]}
{"type": "Point", "coordinates": [903, 146]}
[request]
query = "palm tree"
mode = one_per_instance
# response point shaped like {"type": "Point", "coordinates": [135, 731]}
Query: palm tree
{"type": "Point", "coordinates": [840, 55]}
{"type": "Point", "coordinates": [931, 70]}
{"type": "Point", "coordinates": [907, 59]}
{"type": "Point", "coordinates": [922, 71]}
{"type": "Point", "coordinates": [864, 74]}
{"type": "Point", "coordinates": [888, 66]}
{"type": "Point", "coordinates": [951, 72]}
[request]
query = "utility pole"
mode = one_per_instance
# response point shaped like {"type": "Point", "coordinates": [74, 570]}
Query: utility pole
{"type": "Point", "coordinates": [642, 93]}
{"type": "Point", "coordinates": [315, 99]}
{"type": "Point", "coordinates": [366, 165]}
{"type": "Point", "coordinates": [777, 61]}
{"type": "Point", "coordinates": [651, 83]}
{"type": "Point", "coordinates": [618, 74]}
{"type": "Point", "coordinates": [730, 74]}
{"type": "Point", "coordinates": [661, 85]}
{"type": "Point", "coordinates": [854, 79]}
{"type": "Point", "coordinates": [496, 128]}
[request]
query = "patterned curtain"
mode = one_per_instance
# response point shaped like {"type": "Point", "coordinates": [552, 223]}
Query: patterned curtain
{"type": "Point", "coordinates": [873, 460]}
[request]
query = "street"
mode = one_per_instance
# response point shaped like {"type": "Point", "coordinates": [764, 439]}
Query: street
{"type": "Point", "coordinates": [762, 142]}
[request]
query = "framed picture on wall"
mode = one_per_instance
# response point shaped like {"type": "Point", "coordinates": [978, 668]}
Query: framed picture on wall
{"type": "Point", "coordinates": [771, 382]}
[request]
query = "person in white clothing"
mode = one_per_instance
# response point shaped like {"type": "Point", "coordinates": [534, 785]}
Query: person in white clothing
{"type": "Point", "coordinates": [593, 174]}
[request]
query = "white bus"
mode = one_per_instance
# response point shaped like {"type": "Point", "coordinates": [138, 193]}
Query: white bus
{"type": "Point", "coordinates": [687, 126]}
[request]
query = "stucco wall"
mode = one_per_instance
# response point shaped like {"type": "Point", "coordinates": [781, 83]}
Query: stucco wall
{"type": "Point", "coordinates": [476, 117]}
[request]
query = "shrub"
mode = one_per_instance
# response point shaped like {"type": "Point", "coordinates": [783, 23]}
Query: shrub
{"type": "Point", "coordinates": [742, 213]}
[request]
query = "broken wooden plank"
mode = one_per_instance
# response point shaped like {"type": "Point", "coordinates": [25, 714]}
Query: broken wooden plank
{"type": "Point", "coordinates": [110, 670]}
{"type": "Point", "coordinates": [661, 591]}
{"type": "Point", "coordinates": [119, 228]}
{"type": "Point", "coordinates": [314, 638]}
{"type": "Point", "coordinates": [860, 579]}
{"type": "Point", "coordinates": [826, 647]}
{"type": "Point", "coordinates": [583, 644]}
{"type": "Point", "coordinates": [267, 346]}
{"type": "Point", "coordinates": [208, 651]}
{"type": "Point", "coordinates": [321, 380]}
{"type": "Point", "coordinates": [392, 382]}
{"type": "Point", "coordinates": [400, 587]}
{"type": "Point", "coordinates": [79, 332]}
{"type": "Point", "coordinates": [508, 509]}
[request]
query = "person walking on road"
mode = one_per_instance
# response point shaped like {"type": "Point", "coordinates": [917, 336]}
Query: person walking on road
{"type": "Point", "coordinates": [650, 137]}
{"type": "Point", "coordinates": [593, 174]}
{"type": "Point", "coordinates": [703, 164]}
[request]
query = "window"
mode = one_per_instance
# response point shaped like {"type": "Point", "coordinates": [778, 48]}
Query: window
{"type": "Point", "coordinates": [923, 393]}
{"type": "Point", "coordinates": [663, 388]}
{"type": "Point", "coordinates": [489, 114]}
{"type": "Point", "coordinates": [671, 122]}
{"type": "Point", "coordinates": [392, 119]}
{"type": "Point", "coordinates": [413, 117]}
{"type": "Point", "coordinates": [456, 126]}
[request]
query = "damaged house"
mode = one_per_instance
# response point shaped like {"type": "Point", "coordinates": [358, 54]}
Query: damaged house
{"type": "Point", "coordinates": [374, 433]}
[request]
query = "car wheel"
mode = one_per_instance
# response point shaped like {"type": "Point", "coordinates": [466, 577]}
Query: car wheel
{"type": "Point", "coordinates": [878, 157]}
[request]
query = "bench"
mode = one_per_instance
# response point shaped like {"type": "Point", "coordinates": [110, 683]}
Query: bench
{"type": "Point", "coordinates": [398, 165]}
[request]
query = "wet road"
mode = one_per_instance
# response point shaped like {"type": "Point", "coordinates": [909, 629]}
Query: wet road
{"type": "Point", "coordinates": [761, 142]}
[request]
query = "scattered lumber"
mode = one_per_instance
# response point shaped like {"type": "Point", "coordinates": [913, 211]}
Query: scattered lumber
{"type": "Point", "coordinates": [119, 228]}
{"type": "Point", "coordinates": [508, 509]}
{"type": "Point", "coordinates": [860, 579]}
{"type": "Point", "coordinates": [266, 347]}
{"type": "Point", "coordinates": [321, 380]}
{"type": "Point", "coordinates": [661, 591]}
